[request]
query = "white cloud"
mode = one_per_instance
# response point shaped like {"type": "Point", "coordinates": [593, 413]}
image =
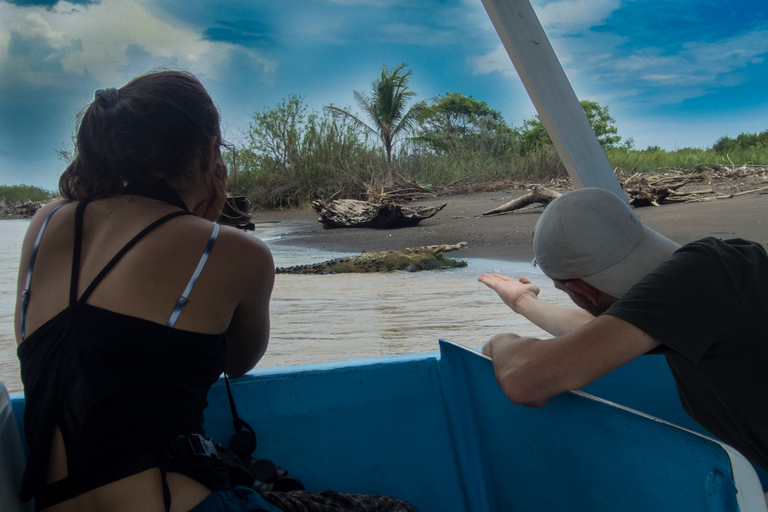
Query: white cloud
{"type": "Point", "coordinates": [604, 65]}
{"type": "Point", "coordinates": [96, 40]}
{"type": "Point", "coordinates": [34, 52]}
{"type": "Point", "coordinates": [471, 15]}
{"type": "Point", "coordinates": [696, 64]}
{"type": "Point", "coordinates": [572, 16]}
{"type": "Point", "coordinates": [377, 3]}
{"type": "Point", "coordinates": [560, 18]}
{"type": "Point", "coordinates": [424, 35]}
{"type": "Point", "coordinates": [729, 54]}
{"type": "Point", "coordinates": [496, 60]}
{"type": "Point", "coordinates": [661, 78]}
{"type": "Point", "coordinates": [318, 28]}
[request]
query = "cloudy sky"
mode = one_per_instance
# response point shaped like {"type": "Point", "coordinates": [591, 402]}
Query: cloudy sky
{"type": "Point", "coordinates": [675, 73]}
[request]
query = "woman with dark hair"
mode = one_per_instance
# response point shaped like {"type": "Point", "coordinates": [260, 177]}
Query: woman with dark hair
{"type": "Point", "coordinates": [132, 302]}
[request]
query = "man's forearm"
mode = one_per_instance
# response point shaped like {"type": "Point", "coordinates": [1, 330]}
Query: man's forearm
{"type": "Point", "coordinates": [556, 320]}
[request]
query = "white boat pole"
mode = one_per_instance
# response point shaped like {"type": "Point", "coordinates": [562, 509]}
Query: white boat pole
{"type": "Point", "coordinates": [548, 86]}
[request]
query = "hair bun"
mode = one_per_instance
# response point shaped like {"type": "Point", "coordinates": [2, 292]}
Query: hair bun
{"type": "Point", "coordinates": [108, 96]}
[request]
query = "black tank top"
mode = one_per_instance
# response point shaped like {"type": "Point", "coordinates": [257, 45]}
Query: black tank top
{"type": "Point", "coordinates": [118, 387]}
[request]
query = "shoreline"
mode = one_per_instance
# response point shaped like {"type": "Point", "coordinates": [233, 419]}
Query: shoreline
{"type": "Point", "coordinates": [510, 236]}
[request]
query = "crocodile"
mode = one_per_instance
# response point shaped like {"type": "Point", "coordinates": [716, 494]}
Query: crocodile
{"type": "Point", "coordinates": [412, 259]}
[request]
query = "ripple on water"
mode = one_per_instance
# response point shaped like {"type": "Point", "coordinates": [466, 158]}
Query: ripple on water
{"type": "Point", "coordinates": [344, 316]}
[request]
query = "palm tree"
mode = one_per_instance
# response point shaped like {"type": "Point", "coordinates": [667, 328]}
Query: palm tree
{"type": "Point", "coordinates": [386, 107]}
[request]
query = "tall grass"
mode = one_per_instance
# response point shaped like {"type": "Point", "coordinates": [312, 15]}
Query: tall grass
{"type": "Point", "coordinates": [473, 165]}
{"type": "Point", "coordinates": [294, 157]}
{"type": "Point", "coordinates": [326, 160]}
{"type": "Point", "coordinates": [651, 160]}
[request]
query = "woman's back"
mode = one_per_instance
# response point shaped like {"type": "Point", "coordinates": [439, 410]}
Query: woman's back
{"type": "Point", "coordinates": [149, 279]}
{"type": "Point", "coordinates": [131, 302]}
{"type": "Point", "coordinates": [136, 299]}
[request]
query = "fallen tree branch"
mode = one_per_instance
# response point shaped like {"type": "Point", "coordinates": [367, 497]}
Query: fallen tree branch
{"type": "Point", "coordinates": [747, 191]}
{"type": "Point", "coordinates": [538, 194]}
{"type": "Point", "coordinates": [23, 208]}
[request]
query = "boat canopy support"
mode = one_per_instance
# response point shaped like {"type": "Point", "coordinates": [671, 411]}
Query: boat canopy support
{"type": "Point", "coordinates": [558, 107]}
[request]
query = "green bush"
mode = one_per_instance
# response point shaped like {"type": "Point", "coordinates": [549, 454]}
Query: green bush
{"type": "Point", "coordinates": [745, 141]}
{"type": "Point", "coordinates": [533, 134]}
{"type": "Point", "coordinates": [24, 193]}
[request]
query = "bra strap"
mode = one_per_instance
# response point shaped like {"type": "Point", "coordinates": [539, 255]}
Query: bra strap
{"type": "Point", "coordinates": [184, 296]}
{"type": "Point", "coordinates": [75, 276]}
{"type": "Point", "coordinates": [126, 248]}
{"type": "Point", "coordinates": [25, 292]}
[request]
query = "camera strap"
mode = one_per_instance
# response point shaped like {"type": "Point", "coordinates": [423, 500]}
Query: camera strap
{"type": "Point", "coordinates": [243, 441]}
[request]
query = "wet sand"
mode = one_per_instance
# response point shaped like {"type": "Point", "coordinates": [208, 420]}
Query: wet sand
{"type": "Point", "coordinates": [509, 236]}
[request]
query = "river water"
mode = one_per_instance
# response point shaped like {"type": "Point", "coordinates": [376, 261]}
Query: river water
{"type": "Point", "coordinates": [336, 317]}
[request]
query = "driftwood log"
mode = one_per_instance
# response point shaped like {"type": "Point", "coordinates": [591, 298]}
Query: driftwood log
{"type": "Point", "coordinates": [537, 195]}
{"type": "Point", "coordinates": [412, 259]}
{"type": "Point", "coordinates": [642, 193]}
{"type": "Point", "coordinates": [19, 208]}
{"type": "Point", "coordinates": [351, 213]}
{"type": "Point", "coordinates": [657, 189]}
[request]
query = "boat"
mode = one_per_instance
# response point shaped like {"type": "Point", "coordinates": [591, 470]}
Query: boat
{"type": "Point", "coordinates": [436, 430]}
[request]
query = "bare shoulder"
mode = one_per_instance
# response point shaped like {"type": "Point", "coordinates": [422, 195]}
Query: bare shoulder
{"type": "Point", "coordinates": [47, 208]}
{"type": "Point", "coordinates": [42, 214]}
{"type": "Point", "coordinates": [244, 254]}
{"type": "Point", "coordinates": [246, 245]}
{"type": "Point", "coordinates": [38, 219]}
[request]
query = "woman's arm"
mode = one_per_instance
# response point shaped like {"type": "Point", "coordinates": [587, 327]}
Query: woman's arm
{"type": "Point", "coordinates": [30, 237]}
{"type": "Point", "coordinates": [248, 331]}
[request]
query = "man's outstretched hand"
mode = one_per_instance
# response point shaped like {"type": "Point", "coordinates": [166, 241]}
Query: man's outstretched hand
{"type": "Point", "coordinates": [511, 291]}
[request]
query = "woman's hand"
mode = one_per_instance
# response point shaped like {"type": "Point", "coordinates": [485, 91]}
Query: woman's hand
{"type": "Point", "coordinates": [217, 185]}
{"type": "Point", "coordinates": [511, 291]}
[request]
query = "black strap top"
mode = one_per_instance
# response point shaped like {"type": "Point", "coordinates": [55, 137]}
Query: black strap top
{"type": "Point", "coordinates": [117, 386]}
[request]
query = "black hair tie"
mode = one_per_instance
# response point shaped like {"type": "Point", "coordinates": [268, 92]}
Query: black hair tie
{"type": "Point", "coordinates": [108, 96]}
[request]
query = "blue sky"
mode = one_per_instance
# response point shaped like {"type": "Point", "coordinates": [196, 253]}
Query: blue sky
{"type": "Point", "coordinates": [677, 73]}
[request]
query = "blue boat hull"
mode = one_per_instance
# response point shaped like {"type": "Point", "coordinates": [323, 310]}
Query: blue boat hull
{"type": "Point", "coordinates": [436, 430]}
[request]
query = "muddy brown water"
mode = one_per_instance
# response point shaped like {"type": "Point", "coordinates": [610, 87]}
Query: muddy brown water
{"type": "Point", "coordinates": [321, 318]}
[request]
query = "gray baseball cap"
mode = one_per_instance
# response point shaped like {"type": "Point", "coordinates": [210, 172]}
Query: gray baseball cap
{"type": "Point", "coordinates": [593, 235]}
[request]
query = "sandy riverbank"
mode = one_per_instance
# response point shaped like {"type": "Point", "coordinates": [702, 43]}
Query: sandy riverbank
{"type": "Point", "coordinates": [510, 236]}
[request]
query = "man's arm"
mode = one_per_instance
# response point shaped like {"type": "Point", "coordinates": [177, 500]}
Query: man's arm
{"type": "Point", "coordinates": [522, 296]}
{"type": "Point", "coordinates": [532, 372]}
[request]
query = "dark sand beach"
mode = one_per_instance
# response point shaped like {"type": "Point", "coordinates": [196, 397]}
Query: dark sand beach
{"type": "Point", "coordinates": [509, 236]}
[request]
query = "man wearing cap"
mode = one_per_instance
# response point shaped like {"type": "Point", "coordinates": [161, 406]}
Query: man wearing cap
{"type": "Point", "coordinates": [703, 305]}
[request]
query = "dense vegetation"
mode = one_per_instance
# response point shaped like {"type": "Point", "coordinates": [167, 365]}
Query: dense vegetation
{"type": "Point", "coordinates": [293, 155]}
{"type": "Point", "coordinates": [23, 193]}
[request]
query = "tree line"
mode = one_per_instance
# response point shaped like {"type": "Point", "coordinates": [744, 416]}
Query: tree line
{"type": "Point", "coordinates": [292, 155]}
{"type": "Point", "coordinates": [24, 193]}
